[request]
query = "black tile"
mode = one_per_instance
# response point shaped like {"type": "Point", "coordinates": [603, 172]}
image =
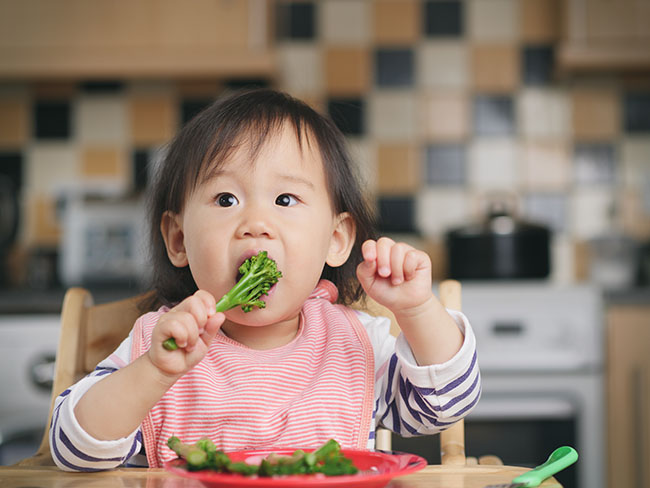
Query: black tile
{"type": "Point", "coordinates": [595, 163]}
{"type": "Point", "coordinates": [296, 20]}
{"type": "Point", "coordinates": [102, 86]}
{"type": "Point", "coordinates": [493, 115]}
{"type": "Point", "coordinates": [11, 165]}
{"type": "Point", "coordinates": [445, 164]}
{"type": "Point", "coordinates": [636, 112]}
{"type": "Point", "coordinates": [140, 169]}
{"type": "Point", "coordinates": [538, 64]}
{"type": "Point", "coordinates": [443, 18]}
{"type": "Point", "coordinates": [347, 114]}
{"type": "Point", "coordinates": [397, 214]}
{"type": "Point", "coordinates": [52, 119]}
{"type": "Point", "coordinates": [394, 67]}
{"type": "Point", "coordinates": [192, 106]}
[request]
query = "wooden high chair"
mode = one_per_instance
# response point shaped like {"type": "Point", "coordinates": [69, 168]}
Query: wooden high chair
{"type": "Point", "coordinates": [89, 333]}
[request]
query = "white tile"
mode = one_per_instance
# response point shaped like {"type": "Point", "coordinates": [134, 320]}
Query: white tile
{"type": "Point", "coordinates": [440, 209]}
{"type": "Point", "coordinates": [544, 114]}
{"type": "Point", "coordinates": [493, 164]}
{"type": "Point", "coordinates": [101, 119]}
{"type": "Point", "coordinates": [392, 116]}
{"type": "Point", "coordinates": [50, 167]}
{"type": "Point", "coordinates": [493, 20]}
{"type": "Point", "coordinates": [590, 210]}
{"type": "Point", "coordinates": [635, 161]}
{"type": "Point", "coordinates": [344, 22]}
{"type": "Point", "coordinates": [442, 64]}
{"type": "Point", "coordinates": [546, 166]}
{"type": "Point", "coordinates": [300, 68]}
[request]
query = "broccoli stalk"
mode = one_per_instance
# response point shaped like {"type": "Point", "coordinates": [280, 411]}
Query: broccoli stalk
{"type": "Point", "coordinates": [258, 274]}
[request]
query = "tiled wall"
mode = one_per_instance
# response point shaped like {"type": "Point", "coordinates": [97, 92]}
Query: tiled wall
{"type": "Point", "coordinates": [445, 103]}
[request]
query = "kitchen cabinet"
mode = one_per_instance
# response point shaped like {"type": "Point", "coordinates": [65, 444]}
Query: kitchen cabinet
{"type": "Point", "coordinates": [628, 393]}
{"type": "Point", "coordinates": [605, 35]}
{"type": "Point", "coordinates": [134, 38]}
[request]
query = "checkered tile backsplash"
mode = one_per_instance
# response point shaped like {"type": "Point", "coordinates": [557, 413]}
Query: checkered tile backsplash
{"type": "Point", "coordinates": [445, 103]}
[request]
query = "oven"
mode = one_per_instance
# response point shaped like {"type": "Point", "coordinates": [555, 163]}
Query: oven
{"type": "Point", "coordinates": [540, 349]}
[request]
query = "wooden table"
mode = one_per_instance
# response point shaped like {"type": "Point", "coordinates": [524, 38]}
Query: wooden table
{"type": "Point", "coordinates": [430, 477]}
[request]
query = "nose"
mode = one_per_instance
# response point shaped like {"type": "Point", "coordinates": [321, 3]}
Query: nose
{"type": "Point", "coordinates": [255, 223]}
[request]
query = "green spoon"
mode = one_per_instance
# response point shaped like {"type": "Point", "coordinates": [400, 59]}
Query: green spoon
{"type": "Point", "coordinates": [558, 460]}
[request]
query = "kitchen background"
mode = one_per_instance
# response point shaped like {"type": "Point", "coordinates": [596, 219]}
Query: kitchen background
{"type": "Point", "coordinates": [448, 105]}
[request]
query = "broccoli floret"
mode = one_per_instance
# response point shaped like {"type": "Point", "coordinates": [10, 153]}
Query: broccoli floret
{"type": "Point", "coordinates": [258, 274]}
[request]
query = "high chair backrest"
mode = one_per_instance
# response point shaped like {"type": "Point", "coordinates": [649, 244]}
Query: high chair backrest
{"type": "Point", "coordinates": [452, 440]}
{"type": "Point", "coordinates": [89, 333]}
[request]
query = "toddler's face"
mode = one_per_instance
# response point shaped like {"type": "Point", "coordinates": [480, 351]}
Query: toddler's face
{"type": "Point", "coordinates": [279, 203]}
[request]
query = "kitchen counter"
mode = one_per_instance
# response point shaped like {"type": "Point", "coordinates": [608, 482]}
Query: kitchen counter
{"type": "Point", "coordinates": [434, 476]}
{"type": "Point", "coordinates": [30, 301]}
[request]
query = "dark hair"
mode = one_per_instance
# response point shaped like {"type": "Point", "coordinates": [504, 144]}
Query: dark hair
{"type": "Point", "coordinates": [208, 139]}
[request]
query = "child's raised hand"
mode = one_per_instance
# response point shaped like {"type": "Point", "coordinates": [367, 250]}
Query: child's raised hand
{"type": "Point", "coordinates": [395, 275]}
{"type": "Point", "coordinates": [193, 324]}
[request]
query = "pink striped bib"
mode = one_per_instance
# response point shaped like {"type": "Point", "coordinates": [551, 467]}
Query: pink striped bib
{"type": "Point", "coordinates": [319, 386]}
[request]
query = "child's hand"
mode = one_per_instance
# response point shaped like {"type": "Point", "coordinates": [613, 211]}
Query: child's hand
{"type": "Point", "coordinates": [193, 324]}
{"type": "Point", "coordinates": [395, 275]}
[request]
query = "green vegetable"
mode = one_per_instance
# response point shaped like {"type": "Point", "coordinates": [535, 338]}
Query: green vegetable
{"type": "Point", "coordinates": [258, 274]}
{"type": "Point", "coordinates": [327, 459]}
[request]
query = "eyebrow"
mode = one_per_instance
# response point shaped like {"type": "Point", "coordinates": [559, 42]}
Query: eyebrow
{"type": "Point", "coordinates": [297, 179]}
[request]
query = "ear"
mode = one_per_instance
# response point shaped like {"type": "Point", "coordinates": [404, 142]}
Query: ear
{"type": "Point", "coordinates": [342, 240]}
{"type": "Point", "coordinates": [172, 232]}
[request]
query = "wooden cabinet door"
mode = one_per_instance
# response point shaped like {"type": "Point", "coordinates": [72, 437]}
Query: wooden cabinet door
{"type": "Point", "coordinates": [628, 393]}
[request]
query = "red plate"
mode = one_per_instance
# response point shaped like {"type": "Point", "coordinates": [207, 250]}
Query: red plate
{"type": "Point", "coordinates": [376, 469]}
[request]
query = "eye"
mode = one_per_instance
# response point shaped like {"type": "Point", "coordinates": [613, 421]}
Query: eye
{"type": "Point", "coordinates": [226, 200]}
{"type": "Point", "coordinates": [286, 200]}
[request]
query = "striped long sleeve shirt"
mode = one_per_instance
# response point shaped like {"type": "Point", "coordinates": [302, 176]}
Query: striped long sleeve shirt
{"type": "Point", "coordinates": [408, 399]}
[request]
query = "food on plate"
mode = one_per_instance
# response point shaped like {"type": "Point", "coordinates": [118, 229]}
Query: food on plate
{"type": "Point", "coordinates": [258, 274]}
{"type": "Point", "coordinates": [327, 459]}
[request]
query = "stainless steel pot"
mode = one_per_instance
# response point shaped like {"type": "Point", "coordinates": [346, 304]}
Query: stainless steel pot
{"type": "Point", "coordinates": [499, 247]}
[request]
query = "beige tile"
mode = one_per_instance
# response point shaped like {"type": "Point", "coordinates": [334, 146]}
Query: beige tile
{"type": "Point", "coordinates": [546, 166]}
{"type": "Point", "coordinates": [562, 259]}
{"type": "Point", "coordinates": [540, 20]}
{"type": "Point", "coordinates": [153, 119]}
{"type": "Point", "coordinates": [442, 64]}
{"type": "Point", "coordinates": [596, 113]}
{"type": "Point", "coordinates": [493, 20]}
{"type": "Point", "coordinates": [101, 119]}
{"type": "Point", "coordinates": [581, 260]}
{"type": "Point", "coordinates": [14, 122]}
{"type": "Point", "coordinates": [494, 164]}
{"type": "Point", "coordinates": [635, 215]}
{"type": "Point", "coordinates": [439, 209]}
{"type": "Point", "coordinates": [103, 162]}
{"type": "Point", "coordinates": [399, 170]}
{"type": "Point", "coordinates": [444, 115]}
{"type": "Point", "coordinates": [544, 114]}
{"type": "Point", "coordinates": [347, 71]}
{"type": "Point", "coordinates": [364, 155]}
{"type": "Point", "coordinates": [42, 227]}
{"type": "Point", "coordinates": [396, 21]}
{"type": "Point", "coordinates": [300, 69]}
{"type": "Point", "coordinates": [345, 22]}
{"type": "Point", "coordinates": [392, 116]}
{"type": "Point", "coordinates": [495, 67]}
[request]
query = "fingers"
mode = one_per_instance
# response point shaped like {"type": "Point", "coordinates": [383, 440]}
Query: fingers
{"type": "Point", "coordinates": [187, 321]}
{"type": "Point", "coordinates": [390, 260]}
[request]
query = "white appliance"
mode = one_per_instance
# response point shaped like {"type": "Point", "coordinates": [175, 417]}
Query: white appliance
{"type": "Point", "coordinates": [541, 355]}
{"type": "Point", "coordinates": [27, 352]}
{"type": "Point", "coordinates": [104, 241]}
